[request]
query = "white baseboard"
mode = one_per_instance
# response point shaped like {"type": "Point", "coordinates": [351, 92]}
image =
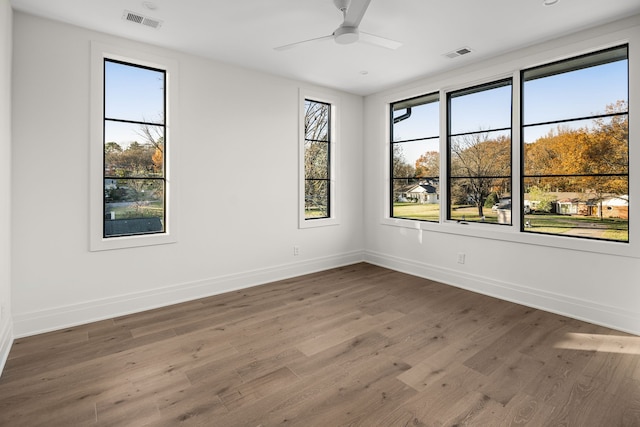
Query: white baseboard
{"type": "Point", "coordinates": [33, 323]}
{"type": "Point", "coordinates": [599, 314]}
{"type": "Point", "coordinates": [6, 340]}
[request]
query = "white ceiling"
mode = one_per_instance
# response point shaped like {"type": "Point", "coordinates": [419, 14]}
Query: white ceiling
{"type": "Point", "coordinates": [244, 32]}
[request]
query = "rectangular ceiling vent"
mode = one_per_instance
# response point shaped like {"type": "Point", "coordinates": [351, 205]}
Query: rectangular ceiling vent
{"type": "Point", "coordinates": [141, 19]}
{"type": "Point", "coordinates": [458, 52]}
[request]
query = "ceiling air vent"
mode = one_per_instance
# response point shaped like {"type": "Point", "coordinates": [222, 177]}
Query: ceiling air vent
{"type": "Point", "coordinates": [458, 52]}
{"type": "Point", "coordinates": [141, 19]}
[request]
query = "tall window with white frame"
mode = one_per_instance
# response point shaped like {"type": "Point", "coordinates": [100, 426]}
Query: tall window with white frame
{"type": "Point", "coordinates": [479, 153]}
{"type": "Point", "coordinates": [134, 149]}
{"type": "Point", "coordinates": [575, 133]}
{"type": "Point", "coordinates": [317, 159]}
{"type": "Point", "coordinates": [415, 158]}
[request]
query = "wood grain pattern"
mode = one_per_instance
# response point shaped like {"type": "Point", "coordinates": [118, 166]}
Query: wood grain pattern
{"type": "Point", "coordinates": [353, 346]}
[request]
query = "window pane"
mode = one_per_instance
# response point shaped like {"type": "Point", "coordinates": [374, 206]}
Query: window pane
{"type": "Point", "coordinates": [416, 122]}
{"type": "Point", "coordinates": [574, 93]}
{"type": "Point", "coordinates": [133, 93]}
{"type": "Point", "coordinates": [485, 154]}
{"type": "Point", "coordinates": [597, 146]}
{"type": "Point", "coordinates": [479, 161]}
{"type": "Point", "coordinates": [576, 172]}
{"type": "Point", "coordinates": [470, 200]}
{"type": "Point", "coordinates": [316, 160]}
{"type": "Point", "coordinates": [316, 121]}
{"type": "Point", "coordinates": [602, 212]}
{"type": "Point", "coordinates": [133, 206]}
{"type": "Point", "coordinates": [133, 150]}
{"type": "Point", "coordinates": [317, 155]}
{"type": "Point", "coordinates": [415, 158]}
{"type": "Point", "coordinates": [480, 109]}
{"type": "Point", "coordinates": [416, 199]}
{"type": "Point", "coordinates": [316, 201]}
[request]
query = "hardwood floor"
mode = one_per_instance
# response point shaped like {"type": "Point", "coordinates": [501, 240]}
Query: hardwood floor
{"type": "Point", "coordinates": [352, 346]}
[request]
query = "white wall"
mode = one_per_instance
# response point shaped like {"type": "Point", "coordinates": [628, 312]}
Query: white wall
{"type": "Point", "coordinates": [594, 281]}
{"type": "Point", "coordinates": [238, 132]}
{"type": "Point", "coordinates": [5, 180]}
{"type": "Point", "coordinates": [238, 193]}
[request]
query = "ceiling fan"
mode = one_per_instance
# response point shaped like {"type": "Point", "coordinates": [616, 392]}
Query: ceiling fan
{"type": "Point", "coordinates": [348, 32]}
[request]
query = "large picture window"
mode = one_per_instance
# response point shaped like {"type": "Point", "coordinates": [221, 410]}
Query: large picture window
{"type": "Point", "coordinates": [134, 149]}
{"type": "Point", "coordinates": [479, 153]}
{"type": "Point", "coordinates": [317, 160]}
{"type": "Point", "coordinates": [415, 158]}
{"type": "Point", "coordinates": [575, 133]}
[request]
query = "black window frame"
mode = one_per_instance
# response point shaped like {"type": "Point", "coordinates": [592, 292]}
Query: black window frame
{"type": "Point", "coordinates": [329, 141]}
{"type": "Point", "coordinates": [407, 104]}
{"type": "Point", "coordinates": [162, 124]}
{"type": "Point", "coordinates": [508, 81]}
{"type": "Point", "coordinates": [554, 68]}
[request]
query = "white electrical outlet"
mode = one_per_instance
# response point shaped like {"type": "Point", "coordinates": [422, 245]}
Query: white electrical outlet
{"type": "Point", "coordinates": [296, 251]}
{"type": "Point", "coordinates": [461, 257]}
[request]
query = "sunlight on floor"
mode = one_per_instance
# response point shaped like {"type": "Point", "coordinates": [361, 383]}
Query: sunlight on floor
{"type": "Point", "coordinates": [600, 343]}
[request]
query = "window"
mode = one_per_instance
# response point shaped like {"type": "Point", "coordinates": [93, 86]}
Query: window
{"type": "Point", "coordinates": [415, 158]}
{"type": "Point", "coordinates": [317, 159]}
{"type": "Point", "coordinates": [479, 153]}
{"type": "Point", "coordinates": [319, 129]}
{"type": "Point", "coordinates": [134, 149]}
{"type": "Point", "coordinates": [575, 133]}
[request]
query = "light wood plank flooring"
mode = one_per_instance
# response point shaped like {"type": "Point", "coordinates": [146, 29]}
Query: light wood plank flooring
{"type": "Point", "coordinates": [353, 346]}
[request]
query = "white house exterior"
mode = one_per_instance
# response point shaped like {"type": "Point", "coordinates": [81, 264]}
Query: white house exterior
{"type": "Point", "coordinates": [423, 193]}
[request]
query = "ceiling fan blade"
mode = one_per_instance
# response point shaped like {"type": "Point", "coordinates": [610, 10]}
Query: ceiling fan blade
{"type": "Point", "coordinates": [292, 45]}
{"type": "Point", "coordinates": [355, 12]}
{"type": "Point", "coordinates": [379, 41]}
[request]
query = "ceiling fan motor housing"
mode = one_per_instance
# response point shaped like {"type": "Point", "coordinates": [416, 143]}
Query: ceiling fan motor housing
{"type": "Point", "coordinates": [346, 35]}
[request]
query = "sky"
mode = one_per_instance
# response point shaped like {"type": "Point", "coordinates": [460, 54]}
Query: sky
{"type": "Point", "coordinates": [573, 94]}
{"type": "Point", "coordinates": [135, 93]}
{"type": "Point", "coordinates": [131, 93]}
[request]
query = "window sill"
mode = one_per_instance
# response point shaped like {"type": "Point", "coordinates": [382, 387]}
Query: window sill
{"type": "Point", "coordinates": [124, 242]}
{"type": "Point", "coordinates": [512, 234]}
{"type": "Point", "coordinates": [315, 223]}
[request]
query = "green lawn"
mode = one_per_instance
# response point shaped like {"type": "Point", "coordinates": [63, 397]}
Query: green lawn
{"type": "Point", "coordinates": [607, 228]}
{"type": "Point", "coordinates": [431, 212]}
{"type": "Point", "coordinates": [312, 213]}
{"type": "Point", "coordinates": [424, 212]}
{"type": "Point", "coordinates": [154, 209]}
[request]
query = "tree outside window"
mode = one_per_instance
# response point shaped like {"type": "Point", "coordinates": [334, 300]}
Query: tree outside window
{"type": "Point", "coordinates": [317, 155]}
{"type": "Point", "coordinates": [134, 149]}
{"type": "Point", "coordinates": [576, 147]}
{"type": "Point", "coordinates": [479, 161]}
{"type": "Point", "coordinates": [415, 158]}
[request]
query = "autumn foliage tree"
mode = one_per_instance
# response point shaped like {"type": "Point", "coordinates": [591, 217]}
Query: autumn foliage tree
{"type": "Point", "coordinates": [133, 164]}
{"type": "Point", "coordinates": [587, 159]}
{"type": "Point", "coordinates": [428, 165]}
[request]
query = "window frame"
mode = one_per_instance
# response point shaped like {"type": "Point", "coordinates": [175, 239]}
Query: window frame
{"type": "Point", "coordinates": [523, 126]}
{"type": "Point", "coordinates": [477, 88]}
{"type": "Point", "coordinates": [334, 132]}
{"type": "Point", "coordinates": [511, 67]}
{"type": "Point", "coordinates": [432, 97]}
{"type": "Point", "coordinates": [97, 241]}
